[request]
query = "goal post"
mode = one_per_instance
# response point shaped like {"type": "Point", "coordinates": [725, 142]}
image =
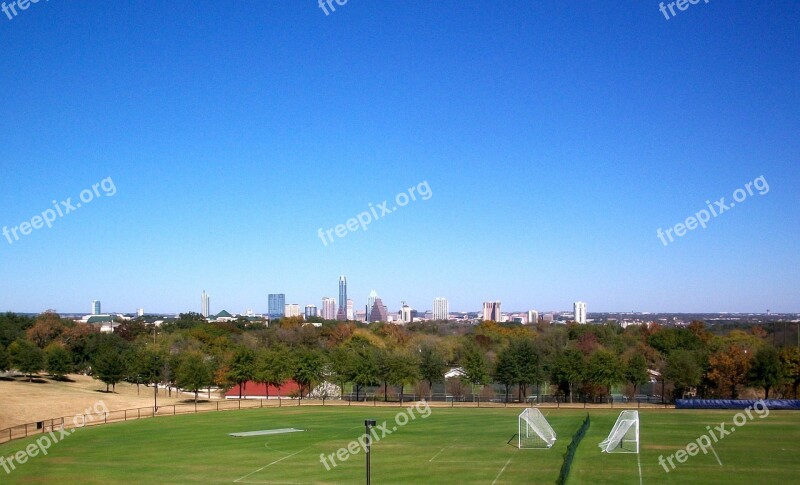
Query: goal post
{"type": "Point", "coordinates": [624, 436]}
{"type": "Point", "coordinates": [534, 431]}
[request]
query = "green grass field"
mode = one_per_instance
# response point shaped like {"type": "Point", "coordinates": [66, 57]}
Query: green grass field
{"type": "Point", "coordinates": [461, 446]}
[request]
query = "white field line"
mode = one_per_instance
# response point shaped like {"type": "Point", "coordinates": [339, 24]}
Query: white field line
{"type": "Point", "coordinates": [716, 456]}
{"type": "Point", "coordinates": [263, 467]}
{"type": "Point", "coordinates": [501, 471]}
{"type": "Point", "coordinates": [437, 454]}
{"type": "Point", "coordinates": [639, 461]}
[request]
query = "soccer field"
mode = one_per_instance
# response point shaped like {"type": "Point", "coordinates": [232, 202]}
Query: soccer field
{"type": "Point", "coordinates": [449, 446]}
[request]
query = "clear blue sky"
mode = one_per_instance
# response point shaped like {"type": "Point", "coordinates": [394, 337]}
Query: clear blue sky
{"type": "Point", "coordinates": [556, 138]}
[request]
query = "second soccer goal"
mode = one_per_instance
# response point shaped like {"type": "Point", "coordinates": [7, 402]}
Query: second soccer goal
{"type": "Point", "coordinates": [624, 436]}
{"type": "Point", "coordinates": [534, 430]}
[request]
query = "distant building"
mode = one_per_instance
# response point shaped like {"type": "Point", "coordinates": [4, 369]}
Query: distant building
{"type": "Point", "coordinates": [491, 311]}
{"type": "Point", "coordinates": [350, 315]}
{"type": "Point", "coordinates": [96, 307]}
{"type": "Point", "coordinates": [441, 309]}
{"type": "Point", "coordinates": [140, 312]}
{"type": "Point", "coordinates": [328, 308]}
{"type": "Point", "coordinates": [370, 302]}
{"type": "Point", "coordinates": [533, 317]}
{"type": "Point", "coordinates": [405, 314]}
{"type": "Point", "coordinates": [378, 312]}
{"type": "Point", "coordinates": [311, 311]}
{"type": "Point", "coordinates": [341, 314]}
{"type": "Point", "coordinates": [205, 304]}
{"type": "Point", "coordinates": [548, 317]}
{"type": "Point", "coordinates": [276, 305]}
{"type": "Point", "coordinates": [292, 310]}
{"type": "Point", "coordinates": [580, 312]}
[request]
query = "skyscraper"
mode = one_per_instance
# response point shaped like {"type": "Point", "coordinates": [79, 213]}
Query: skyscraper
{"type": "Point", "coordinates": [350, 315]}
{"type": "Point", "coordinates": [533, 317]}
{"type": "Point", "coordinates": [371, 301]}
{"type": "Point", "coordinates": [277, 305]}
{"type": "Point", "coordinates": [441, 309]}
{"type": "Point", "coordinates": [96, 307]}
{"type": "Point", "coordinates": [378, 312]}
{"type": "Point", "coordinates": [342, 313]}
{"type": "Point", "coordinates": [311, 311]}
{"type": "Point", "coordinates": [204, 304]}
{"type": "Point", "coordinates": [328, 308]}
{"type": "Point", "coordinates": [580, 312]}
{"type": "Point", "coordinates": [491, 311]}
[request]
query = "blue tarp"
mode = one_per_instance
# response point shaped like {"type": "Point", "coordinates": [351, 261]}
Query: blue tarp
{"type": "Point", "coordinates": [771, 404]}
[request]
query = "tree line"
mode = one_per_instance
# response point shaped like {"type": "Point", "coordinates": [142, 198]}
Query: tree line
{"type": "Point", "coordinates": [571, 362]}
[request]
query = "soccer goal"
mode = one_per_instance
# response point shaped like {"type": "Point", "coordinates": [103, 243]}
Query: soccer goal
{"type": "Point", "coordinates": [534, 430]}
{"type": "Point", "coordinates": [624, 436]}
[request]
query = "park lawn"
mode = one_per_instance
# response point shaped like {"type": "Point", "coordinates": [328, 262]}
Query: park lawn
{"type": "Point", "coordinates": [449, 446]}
{"type": "Point", "coordinates": [460, 446]}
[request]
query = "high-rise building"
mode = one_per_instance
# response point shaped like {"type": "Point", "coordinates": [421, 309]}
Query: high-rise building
{"type": "Point", "coordinates": [311, 311]}
{"type": "Point", "coordinates": [580, 312]}
{"type": "Point", "coordinates": [405, 314]}
{"type": "Point", "coordinates": [96, 307]}
{"type": "Point", "coordinates": [378, 312]}
{"type": "Point", "coordinates": [342, 312]}
{"type": "Point", "coordinates": [205, 304]}
{"type": "Point", "coordinates": [277, 305]}
{"type": "Point", "coordinates": [370, 302]}
{"type": "Point", "coordinates": [491, 311]}
{"type": "Point", "coordinates": [328, 308]}
{"type": "Point", "coordinates": [533, 317]}
{"type": "Point", "coordinates": [350, 315]}
{"type": "Point", "coordinates": [441, 309]}
{"type": "Point", "coordinates": [291, 310]}
{"type": "Point", "coordinates": [140, 312]}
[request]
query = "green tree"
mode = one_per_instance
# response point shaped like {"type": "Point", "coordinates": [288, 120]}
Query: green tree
{"type": "Point", "coordinates": [766, 370]}
{"type": "Point", "coordinates": [404, 369]}
{"type": "Point", "coordinates": [605, 369]}
{"type": "Point", "coordinates": [432, 366]}
{"type": "Point", "coordinates": [506, 370]}
{"type": "Point", "coordinates": [193, 373]}
{"type": "Point", "coordinates": [683, 370]}
{"type": "Point", "coordinates": [273, 367]}
{"type": "Point", "coordinates": [475, 365]}
{"type": "Point", "coordinates": [568, 368]}
{"type": "Point", "coordinates": [110, 366]}
{"type": "Point", "coordinates": [4, 363]}
{"type": "Point", "coordinates": [242, 368]}
{"type": "Point", "coordinates": [308, 369]}
{"type": "Point", "coordinates": [149, 367]}
{"type": "Point", "coordinates": [636, 371]}
{"type": "Point", "coordinates": [790, 356]}
{"type": "Point", "coordinates": [26, 357]}
{"type": "Point", "coordinates": [529, 365]}
{"type": "Point", "coordinates": [58, 360]}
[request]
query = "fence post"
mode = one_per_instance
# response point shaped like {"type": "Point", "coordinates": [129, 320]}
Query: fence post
{"type": "Point", "coordinates": [217, 405]}
{"type": "Point", "coordinates": [138, 413]}
{"type": "Point", "coordinates": [262, 403]}
{"type": "Point", "coordinates": [240, 404]}
{"type": "Point", "coordinates": [195, 407]}
{"type": "Point", "coordinates": [105, 419]}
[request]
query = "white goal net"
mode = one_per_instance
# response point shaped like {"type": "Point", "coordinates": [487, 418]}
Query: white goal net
{"type": "Point", "coordinates": [624, 436]}
{"type": "Point", "coordinates": [534, 430]}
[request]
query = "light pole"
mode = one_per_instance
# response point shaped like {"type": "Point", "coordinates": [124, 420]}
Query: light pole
{"type": "Point", "coordinates": [368, 424]}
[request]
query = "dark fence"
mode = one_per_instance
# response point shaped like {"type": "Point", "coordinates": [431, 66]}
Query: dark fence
{"type": "Point", "coordinates": [771, 404]}
{"type": "Point", "coordinates": [571, 449]}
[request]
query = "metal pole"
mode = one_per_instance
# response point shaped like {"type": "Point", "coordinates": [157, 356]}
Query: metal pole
{"type": "Point", "coordinates": [367, 424]}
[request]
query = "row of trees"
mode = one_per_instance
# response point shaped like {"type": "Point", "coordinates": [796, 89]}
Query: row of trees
{"type": "Point", "coordinates": [572, 361]}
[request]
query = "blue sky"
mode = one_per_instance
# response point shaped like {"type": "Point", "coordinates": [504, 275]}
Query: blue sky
{"type": "Point", "coordinates": [556, 138]}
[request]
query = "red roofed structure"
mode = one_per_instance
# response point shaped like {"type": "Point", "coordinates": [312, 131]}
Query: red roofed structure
{"type": "Point", "coordinates": [257, 390]}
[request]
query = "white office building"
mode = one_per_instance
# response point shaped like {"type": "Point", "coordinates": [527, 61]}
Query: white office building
{"type": "Point", "coordinates": [329, 308]}
{"type": "Point", "coordinates": [580, 312]}
{"type": "Point", "coordinates": [491, 311]}
{"type": "Point", "coordinates": [441, 309]}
